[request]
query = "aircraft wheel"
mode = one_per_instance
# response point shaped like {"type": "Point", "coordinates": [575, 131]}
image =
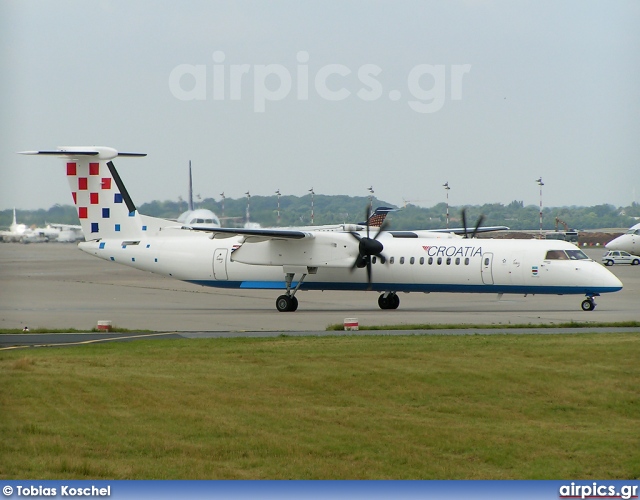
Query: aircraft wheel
{"type": "Point", "coordinates": [391, 301]}
{"type": "Point", "coordinates": [395, 301]}
{"type": "Point", "coordinates": [284, 303]}
{"type": "Point", "coordinates": [588, 305]}
{"type": "Point", "coordinates": [294, 304]}
{"type": "Point", "coordinates": [383, 301]}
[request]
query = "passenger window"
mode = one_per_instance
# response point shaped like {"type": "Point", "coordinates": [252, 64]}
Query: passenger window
{"type": "Point", "coordinates": [448, 261]}
{"type": "Point", "coordinates": [457, 261]}
{"type": "Point", "coordinates": [391, 259]}
{"type": "Point", "coordinates": [412, 261]}
{"type": "Point", "coordinates": [466, 261]}
{"type": "Point", "coordinates": [430, 260]}
{"type": "Point", "coordinates": [439, 261]}
{"type": "Point", "coordinates": [421, 261]}
{"type": "Point", "coordinates": [373, 261]}
{"type": "Point", "coordinates": [401, 260]}
{"type": "Point", "coordinates": [486, 261]}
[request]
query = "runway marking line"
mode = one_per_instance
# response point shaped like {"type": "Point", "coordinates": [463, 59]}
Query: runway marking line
{"type": "Point", "coordinates": [93, 341]}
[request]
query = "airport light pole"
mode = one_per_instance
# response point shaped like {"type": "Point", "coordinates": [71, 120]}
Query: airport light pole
{"type": "Point", "coordinates": [447, 188]}
{"type": "Point", "coordinates": [371, 191]}
{"type": "Point", "coordinates": [248, 205]}
{"type": "Point", "coordinates": [279, 194]}
{"type": "Point", "coordinates": [540, 183]}
{"type": "Point", "coordinates": [223, 197]}
{"type": "Point", "coordinates": [312, 195]}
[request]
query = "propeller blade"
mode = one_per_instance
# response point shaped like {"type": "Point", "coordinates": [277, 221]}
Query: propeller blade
{"type": "Point", "coordinates": [383, 226]}
{"type": "Point", "coordinates": [464, 222]}
{"type": "Point", "coordinates": [368, 247]}
{"type": "Point", "coordinates": [478, 224]}
{"type": "Point", "coordinates": [368, 216]}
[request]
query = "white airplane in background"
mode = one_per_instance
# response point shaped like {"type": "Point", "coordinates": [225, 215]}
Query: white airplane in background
{"type": "Point", "coordinates": [201, 217]}
{"type": "Point", "coordinates": [293, 259]}
{"type": "Point", "coordinates": [52, 232]}
{"type": "Point", "coordinates": [63, 233]}
{"type": "Point", "coordinates": [629, 241]}
{"type": "Point", "coordinates": [16, 232]}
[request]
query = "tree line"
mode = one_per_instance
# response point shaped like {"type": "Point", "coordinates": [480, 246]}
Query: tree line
{"type": "Point", "coordinates": [296, 211]}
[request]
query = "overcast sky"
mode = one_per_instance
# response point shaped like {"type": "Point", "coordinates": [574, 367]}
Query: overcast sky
{"type": "Point", "coordinates": [338, 96]}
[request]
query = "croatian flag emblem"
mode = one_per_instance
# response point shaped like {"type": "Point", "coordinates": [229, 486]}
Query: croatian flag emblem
{"type": "Point", "coordinates": [534, 271]}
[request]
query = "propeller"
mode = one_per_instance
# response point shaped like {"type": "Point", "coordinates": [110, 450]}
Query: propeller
{"type": "Point", "coordinates": [368, 247]}
{"type": "Point", "coordinates": [464, 224]}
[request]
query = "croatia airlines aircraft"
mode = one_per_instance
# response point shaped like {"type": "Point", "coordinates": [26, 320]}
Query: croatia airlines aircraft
{"type": "Point", "coordinates": [629, 241]}
{"type": "Point", "coordinates": [292, 259]}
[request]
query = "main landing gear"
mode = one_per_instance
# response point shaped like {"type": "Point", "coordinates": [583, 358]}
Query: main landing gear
{"type": "Point", "coordinates": [588, 304]}
{"type": "Point", "coordinates": [288, 301]}
{"type": "Point", "coordinates": [389, 300]}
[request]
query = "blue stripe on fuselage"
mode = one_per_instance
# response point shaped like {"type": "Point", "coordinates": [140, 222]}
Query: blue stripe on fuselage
{"type": "Point", "coordinates": [411, 287]}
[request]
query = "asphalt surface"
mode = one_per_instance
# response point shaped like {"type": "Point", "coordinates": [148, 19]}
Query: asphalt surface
{"type": "Point", "coordinates": [21, 341]}
{"type": "Point", "coordinates": [56, 286]}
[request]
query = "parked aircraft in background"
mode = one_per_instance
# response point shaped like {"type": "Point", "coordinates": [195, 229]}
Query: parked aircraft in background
{"type": "Point", "coordinates": [629, 241]}
{"type": "Point", "coordinates": [294, 259]}
{"type": "Point", "coordinates": [21, 233]}
{"type": "Point", "coordinates": [200, 217]}
{"type": "Point", "coordinates": [16, 231]}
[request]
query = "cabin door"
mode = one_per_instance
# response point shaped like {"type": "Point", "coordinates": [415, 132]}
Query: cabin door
{"type": "Point", "coordinates": [220, 264]}
{"type": "Point", "coordinates": [487, 271]}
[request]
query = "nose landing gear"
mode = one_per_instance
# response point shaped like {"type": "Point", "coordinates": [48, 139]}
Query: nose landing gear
{"type": "Point", "coordinates": [588, 304]}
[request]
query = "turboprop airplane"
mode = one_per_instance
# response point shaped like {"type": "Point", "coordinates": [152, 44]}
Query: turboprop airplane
{"type": "Point", "coordinates": [629, 241]}
{"type": "Point", "coordinates": [293, 259]}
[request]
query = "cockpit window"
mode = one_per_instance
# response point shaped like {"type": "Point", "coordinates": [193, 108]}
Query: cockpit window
{"type": "Point", "coordinates": [566, 255]}
{"type": "Point", "coordinates": [577, 255]}
{"type": "Point", "coordinates": [556, 255]}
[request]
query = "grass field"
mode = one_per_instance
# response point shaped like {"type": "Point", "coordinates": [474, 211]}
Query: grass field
{"type": "Point", "coordinates": [412, 407]}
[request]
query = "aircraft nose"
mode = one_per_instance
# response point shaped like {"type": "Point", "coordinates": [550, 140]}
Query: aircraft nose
{"type": "Point", "coordinates": [614, 244]}
{"type": "Point", "coordinates": [609, 280]}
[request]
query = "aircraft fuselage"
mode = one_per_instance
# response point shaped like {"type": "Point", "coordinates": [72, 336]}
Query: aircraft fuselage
{"type": "Point", "coordinates": [412, 264]}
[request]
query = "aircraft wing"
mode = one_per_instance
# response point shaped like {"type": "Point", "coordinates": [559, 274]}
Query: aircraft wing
{"type": "Point", "coordinates": [470, 230]}
{"type": "Point", "coordinates": [253, 235]}
{"type": "Point", "coordinates": [289, 248]}
{"type": "Point", "coordinates": [65, 226]}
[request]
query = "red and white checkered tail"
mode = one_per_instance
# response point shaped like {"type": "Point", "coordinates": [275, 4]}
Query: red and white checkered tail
{"type": "Point", "coordinates": [104, 206]}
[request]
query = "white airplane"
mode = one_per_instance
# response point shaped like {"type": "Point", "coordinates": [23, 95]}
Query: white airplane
{"type": "Point", "coordinates": [64, 233]}
{"type": "Point", "coordinates": [292, 259]}
{"type": "Point", "coordinates": [628, 242]}
{"type": "Point", "coordinates": [52, 232]}
{"type": "Point", "coordinates": [16, 232]}
{"type": "Point", "coordinates": [200, 217]}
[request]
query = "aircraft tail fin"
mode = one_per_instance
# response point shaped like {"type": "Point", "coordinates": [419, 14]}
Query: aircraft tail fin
{"type": "Point", "coordinates": [104, 206]}
{"type": "Point", "coordinates": [191, 206]}
{"type": "Point", "coordinates": [377, 217]}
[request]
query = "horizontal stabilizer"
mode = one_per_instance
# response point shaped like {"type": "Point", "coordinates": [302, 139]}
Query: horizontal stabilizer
{"type": "Point", "coordinates": [103, 153]}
